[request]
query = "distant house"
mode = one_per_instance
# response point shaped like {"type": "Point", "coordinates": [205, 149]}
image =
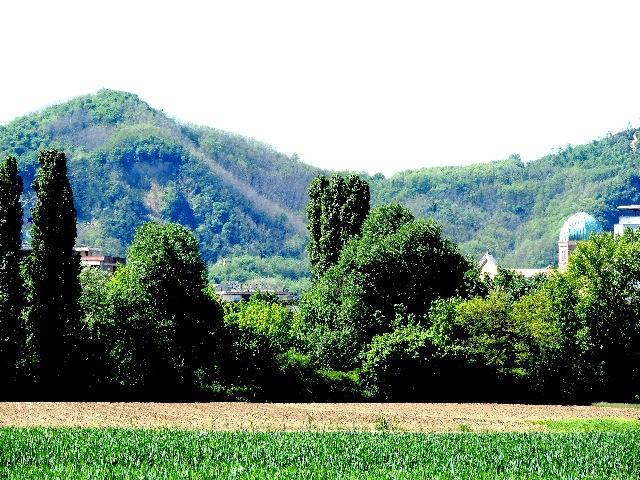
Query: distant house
{"type": "Point", "coordinates": [629, 218]}
{"type": "Point", "coordinates": [488, 265]}
{"type": "Point", "coordinates": [489, 268]}
{"type": "Point", "coordinates": [237, 293]}
{"type": "Point", "coordinates": [91, 257]}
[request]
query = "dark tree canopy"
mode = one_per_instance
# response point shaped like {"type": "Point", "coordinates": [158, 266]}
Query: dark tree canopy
{"type": "Point", "coordinates": [604, 322]}
{"type": "Point", "coordinates": [397, 263]}
{"type": "Point", "coordinates": [163, 317]}
{"type": "Point", "coordinates": [53, 269]}
{"type": "Point", "coordinates": [11, 292]}
{"type": "Point", "coordinates": [336, 211]}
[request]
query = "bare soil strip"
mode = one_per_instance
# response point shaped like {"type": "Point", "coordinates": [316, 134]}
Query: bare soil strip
{"type": "Point", "coordinates": [299, 416]}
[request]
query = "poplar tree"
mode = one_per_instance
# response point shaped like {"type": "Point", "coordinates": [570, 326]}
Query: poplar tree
{"type": "Point", "coordinates": [331, 224]}
{"type": "Point", "coordinates": [336, 212]}
{"type": "Point", "coordinates": [317, 190]}
{"type": "Point", "coordinates": [53, 269]}
{"type": "Point", "coordinates": [355, 208]}
{"type": "Point", "coordinates": [11, 292]}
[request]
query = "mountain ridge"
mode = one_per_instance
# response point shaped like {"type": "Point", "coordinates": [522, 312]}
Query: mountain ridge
{"type": "Point", "coordinates": [130, 163]}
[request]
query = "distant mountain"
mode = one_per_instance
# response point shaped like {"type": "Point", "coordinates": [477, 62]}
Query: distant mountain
{"type": "Point", "coordinates": [130, 163]}
{"type": "Point", "coordinates": [515, 210]}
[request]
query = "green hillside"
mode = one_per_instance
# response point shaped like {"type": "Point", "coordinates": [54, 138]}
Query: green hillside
{"type": "Point", "coordinates": [515, 210]}
{"type": "Point", "coordinates": [130, 163]}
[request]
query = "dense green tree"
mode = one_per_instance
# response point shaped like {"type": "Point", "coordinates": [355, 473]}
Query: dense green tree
{"type": "Point", "coordinates": [490, 335]}
{"type": "Point", "coordinates": [164, 326]}
{"type": "Point", "coordinates": [331, 241]}
{"type": "Point", "coordinates": [52, 270]}
{"type": "Point", "coordinates": [335, 212]}
{"type": "Point", "coordinates": [604, 275]}
{"type": "Point", "coordinates": [539, 343]}
{"type": "Point", "coordinates": [515, 284]}
{"type": "Point", "coordinates": [398, 262]}
{"type": "Point", "coordinates": [402, 365]}
{"type": "Point", "coordinates": [510, 345]}
{"type": "Point", "coordinates": [317, 192]}
{"type": "Point", "coordinates": [11, 292]}
{"type": "Point", "coordinates": [93, 344]}
{"type": "Point", "coordinates": [355, 208]}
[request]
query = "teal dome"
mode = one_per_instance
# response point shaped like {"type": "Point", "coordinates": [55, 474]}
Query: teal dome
{"type": "Point", "coordinates": [579, 226]}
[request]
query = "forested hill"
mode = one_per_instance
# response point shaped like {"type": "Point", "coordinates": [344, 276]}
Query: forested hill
{"type": "Point", "coordinates": [515, 210]}
{"type": "Point", "coordinates": [130, 163]}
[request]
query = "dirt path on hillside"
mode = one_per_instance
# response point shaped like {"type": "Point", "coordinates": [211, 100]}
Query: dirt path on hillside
{"type": "Point", "coordinates": [298, 416]}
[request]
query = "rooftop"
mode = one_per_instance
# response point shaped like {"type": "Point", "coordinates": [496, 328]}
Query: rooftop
{"type": "Point", "coordinates": [579, 226]}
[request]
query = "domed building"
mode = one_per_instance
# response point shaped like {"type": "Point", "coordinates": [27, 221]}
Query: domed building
{"type": "Point", "coordinates": [579, 226]}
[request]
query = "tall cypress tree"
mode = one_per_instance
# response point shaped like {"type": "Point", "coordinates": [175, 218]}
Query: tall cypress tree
{"type": "Point", "coordinates": [11, 292]}
{"type": "Point", "coordinates": [53, 270]}
{"type": "Point", "coordinates": [355, 208]}
{"type": "Point", "coordinates": [331, 240]}
{"type": "Point", "coordinates": [336, 211]}
{"type": "Point", "coordinates": [317, 191]}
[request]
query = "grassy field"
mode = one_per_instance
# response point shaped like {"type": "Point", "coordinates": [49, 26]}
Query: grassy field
{"type": "Point", "coordinates": [70, 453]}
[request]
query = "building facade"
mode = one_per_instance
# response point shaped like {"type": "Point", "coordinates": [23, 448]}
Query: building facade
{"type": "Point", "coordinates": [578, 227]}
{"type": "Point", "coordinates": [629, 218]}
{"type": "Point", "coordinates": [91, 257]}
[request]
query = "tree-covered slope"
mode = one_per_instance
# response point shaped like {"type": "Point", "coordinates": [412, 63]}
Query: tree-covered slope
{"type": "Point", "coordinates": [515, 210]}
{"type": "Point", "coordinates": [130, 163]}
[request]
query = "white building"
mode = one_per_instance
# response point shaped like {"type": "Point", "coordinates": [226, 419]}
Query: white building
{"type": "Point", "coordinates": [489, 267]}
{"type": "Point", "coordinates": [629, 218]}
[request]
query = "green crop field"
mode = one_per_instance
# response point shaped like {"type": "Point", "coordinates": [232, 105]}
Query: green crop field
{"type": "Point", "coordinates": [136, 453]}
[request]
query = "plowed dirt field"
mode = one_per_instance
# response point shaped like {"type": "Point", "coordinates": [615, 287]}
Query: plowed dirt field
{"type": "Point", "coordinates": [299, 416]}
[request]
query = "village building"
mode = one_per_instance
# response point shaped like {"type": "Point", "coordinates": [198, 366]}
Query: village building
{"type": "Point", "coordinates": [238, 293]}
{"type": "Point", "coordinates": [629, 218]}
{"type": "Point", "coordinates": [91, 257]}
{"type": "Point", "coordinates": [577, 228]}
{"type": "Point", "coordinates": [489, 267]}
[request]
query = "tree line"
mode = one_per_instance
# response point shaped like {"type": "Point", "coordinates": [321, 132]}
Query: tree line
{"type": "Point", "coordinates": [394, 312]}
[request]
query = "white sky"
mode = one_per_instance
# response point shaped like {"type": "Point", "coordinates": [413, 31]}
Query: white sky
{"type": "Point", "coordinates": [375, 86]}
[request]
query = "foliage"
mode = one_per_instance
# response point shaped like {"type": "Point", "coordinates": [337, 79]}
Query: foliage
{"type": "Point", "coordinates": [335, 212]}
{"type": "Point", "coordinates": [515, 284]}
{"type": "Point", "coordinates": [400, 314]}
{"type": "Point", "coordinates": [129, 164]}
{"type": "Point", "coordinates": [148, 453]}
{"type": "Point", "coordinates": [52, 276]}
{"type": "Point", "coordinates": [401, 365]}
{"type": "Point", "coordinates": [275, 271]}
{"type": "Point", "coordinates": [11, 293]}
{"type": "Point", "coordinates": [162, 326]}
{"type": "Point", "coordinates": [398, 262]}
{"type": "Point", "coordinates": [268, 317]}
{"type": "Point", "coordinates": [498, 341]}
{"type": "Point", "coordinates": [241, 196]}
{"type": "Point", "coordinates": [604, 274]}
